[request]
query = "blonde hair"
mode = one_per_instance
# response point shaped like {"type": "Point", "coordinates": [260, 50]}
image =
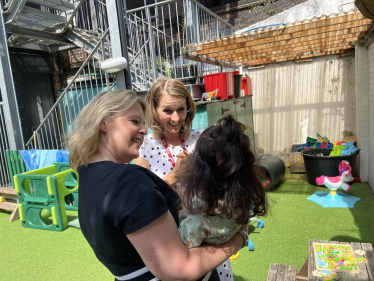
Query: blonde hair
{"type": "Point", "coordinates": [105, 106]}
{"type": "Point", "coordinates": [175, 88]}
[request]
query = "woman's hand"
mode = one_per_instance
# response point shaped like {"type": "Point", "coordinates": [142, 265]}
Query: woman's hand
{"type": "Point", "coordinates": [176, 174]}
{"type": "Point", "coordinates": [180, 164]}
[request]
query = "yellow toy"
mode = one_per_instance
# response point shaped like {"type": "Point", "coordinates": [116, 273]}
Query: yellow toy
{"type": "Point", "coordinates": [2, 199]}
{"type": "Point", "coordinates": [234, 257]}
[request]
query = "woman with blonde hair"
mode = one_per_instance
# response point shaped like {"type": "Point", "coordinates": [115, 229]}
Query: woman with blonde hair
{"type": "Point", "coordinates": [165, 150]}
{"type": "Point", "coordinates": [173, 111]}
{"type": "Point", "coordinates": [127, 214]}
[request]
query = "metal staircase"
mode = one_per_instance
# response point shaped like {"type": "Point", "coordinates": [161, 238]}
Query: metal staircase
{"type": "Point", "coordinates": [155, 36]}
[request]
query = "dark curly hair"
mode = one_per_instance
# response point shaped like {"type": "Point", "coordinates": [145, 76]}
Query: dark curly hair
{"type": "Point", "coordinates": [220, 172]}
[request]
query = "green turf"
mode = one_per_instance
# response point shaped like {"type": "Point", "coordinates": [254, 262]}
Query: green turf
{"type": "Point", "coordinates": [30, 254]}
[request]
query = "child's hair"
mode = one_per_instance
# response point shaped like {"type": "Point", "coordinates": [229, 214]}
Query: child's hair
{"type": "Point", "coordinates": [221, 174]}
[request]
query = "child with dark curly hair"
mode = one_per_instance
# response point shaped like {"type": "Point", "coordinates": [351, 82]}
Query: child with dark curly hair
{"type": "Point", "coordinates": [222, 190]}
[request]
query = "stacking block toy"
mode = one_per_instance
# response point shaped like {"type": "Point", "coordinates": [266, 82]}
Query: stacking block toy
{"type": "Point", "coordinates": [71, 200]}
{"type": "Point", "coordinates": [308, 139]}
{"type": "Point", "coordinates": [302, 145]}
{"type": "Point", "coordinates": [43, 189]}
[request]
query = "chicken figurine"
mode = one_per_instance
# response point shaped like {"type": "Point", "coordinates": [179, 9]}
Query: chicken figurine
{"type": "Point", "coordinates": [334, 183]}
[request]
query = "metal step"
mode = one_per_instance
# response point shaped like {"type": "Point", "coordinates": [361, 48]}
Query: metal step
{"type": "Point", "coordinates": [55, 4]}
{"type": "Point", "coordinates": [37, 19]}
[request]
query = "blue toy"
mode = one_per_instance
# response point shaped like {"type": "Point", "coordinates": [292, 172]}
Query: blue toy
{"type": "Point", "coordinates": [251, 247]}
{"type": "Point", "coordinates": [260, 223]}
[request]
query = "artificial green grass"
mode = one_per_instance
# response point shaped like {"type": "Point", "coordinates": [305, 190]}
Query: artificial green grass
{"type": "Point", "coordinates": [293, 220]}
{"type": "Point", "coordinates": [31, 254]}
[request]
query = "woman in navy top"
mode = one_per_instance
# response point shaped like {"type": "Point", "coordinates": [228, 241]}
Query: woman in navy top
{"type": "Point", "coordinates": [127, 214]}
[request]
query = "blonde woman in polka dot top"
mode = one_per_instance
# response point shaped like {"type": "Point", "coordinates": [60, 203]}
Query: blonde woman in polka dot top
{"type": "Point", "coordinates": [173, 110]}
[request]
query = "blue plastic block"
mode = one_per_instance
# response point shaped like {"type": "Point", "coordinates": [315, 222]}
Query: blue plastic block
{"type": "Point", "coordinates": [329, 145]}
{"type": "Point", "coordinates": [310, 144]}
{"type": "Point", "coordinates": [319, 144]}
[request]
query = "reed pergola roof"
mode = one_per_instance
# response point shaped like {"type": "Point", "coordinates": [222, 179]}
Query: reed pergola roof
{"type": "Point", "coordinates": [325, 35]}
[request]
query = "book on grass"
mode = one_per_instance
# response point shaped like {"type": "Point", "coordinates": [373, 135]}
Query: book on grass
{"type": "Point", "coordinates": [335, 257]}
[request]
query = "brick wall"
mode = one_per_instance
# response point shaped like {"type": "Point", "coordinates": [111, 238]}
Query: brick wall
{"type": "Point", "coordinates": [77, 57]}
{"type": "Point", "coordinates": [371, 114]}
{"type": "Point", "coordinates": [248, 15]}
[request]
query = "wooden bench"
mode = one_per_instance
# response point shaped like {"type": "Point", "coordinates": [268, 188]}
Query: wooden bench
{"type": "Point", "coordinates": [281, 272]}
{"type": "Point", "coordinates": [366, 269]}
{"type": "Point", "coordinates": [9, 193]}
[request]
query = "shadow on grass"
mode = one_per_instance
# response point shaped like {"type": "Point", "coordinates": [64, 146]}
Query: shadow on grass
{"type": "Point", "coordinates": [239, 278]}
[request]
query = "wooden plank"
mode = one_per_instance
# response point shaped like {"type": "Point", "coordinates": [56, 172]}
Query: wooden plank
{"type": "Point", "coordinates": [273, 270]}
{"type": "Point", "coordinates": [311, 262]}
{"type": "Point", "coordinates": [8, 191]}
{"type": "Point", "coordinates": [10, 206]}
{"type": "Point", "coordinates": [286, 33]}
{"type": "Point", "coordinates": [290, 53]}
{"type": "Point", "coordinates": [282, 269]}
{"type": "Point", "coordinates": [291, 273]}
{"type": "Point", "coordinates": [272, 60]}
{"type": "Point", "coordinates": [362, 275]}
{"type": "Point", "coordinates": [264, 44]}
{"type": "Point", "coordinates": [303, 272]}
{"type": "Point", "coordinates": [370, 259]}
{"type": "Point", "coordinates": [264, 48]}
{"type": "Point", "coordinates": [15, 215]}
{"type": "Point", "coordinates": [349, 276]}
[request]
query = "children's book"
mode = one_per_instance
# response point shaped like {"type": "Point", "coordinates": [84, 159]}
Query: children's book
{"type": "Point", "coordinates": [335, 257]}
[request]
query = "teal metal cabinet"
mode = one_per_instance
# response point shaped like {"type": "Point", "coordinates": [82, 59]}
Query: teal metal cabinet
{"type": "Point", "coordinates": [208, 113]}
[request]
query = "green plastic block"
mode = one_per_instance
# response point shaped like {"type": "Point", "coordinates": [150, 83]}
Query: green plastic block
{"type": "Point", "coordinates": [42, 194]}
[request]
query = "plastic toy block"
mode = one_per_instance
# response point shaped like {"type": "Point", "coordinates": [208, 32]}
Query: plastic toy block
{"type": "Point", "coordinates": [339, 143]}
{"type": "Point", "coordinates": [310, 144]}
{"type": "Point", "coordinates": [334, 143]}
{"type": "Point", "coordinates": [41, 194]}
{"type": "Point", "coordinates": [323, 145]}
{"type": "Point", "coordinates": [329, 145]}
{"type": "Point", "coordinates": [319, 144]}
{"type": "Point", "coordinates": [71, 200]}
{"type": "Point", "coordinates": [260, 224]}
{"type": "Point", "coordinates": [312, 140]}
{"type": "Point", "coordinates": [314, 145]}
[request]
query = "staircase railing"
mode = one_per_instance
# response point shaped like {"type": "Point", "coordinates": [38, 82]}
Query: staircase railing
{"type": "Point", "coordinates": [86, 84]}
{"type": "Point", "coordinates": [4, 145]}
{"type": "Point", "coordinates": [156, 34]}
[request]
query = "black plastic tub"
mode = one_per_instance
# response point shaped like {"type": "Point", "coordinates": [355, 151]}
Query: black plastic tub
{"type": "Point", "coordinates": [316, 166]}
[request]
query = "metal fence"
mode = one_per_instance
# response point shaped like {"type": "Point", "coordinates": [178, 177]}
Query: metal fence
{"type": "Point", "coordinates": [157, 33]}
{"type": "Point", "coordinates": [86, 84]}
{"type": "Point", "coordinates": [4, 145]}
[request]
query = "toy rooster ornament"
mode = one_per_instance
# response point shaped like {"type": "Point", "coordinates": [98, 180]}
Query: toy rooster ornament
{"type": "Point", "coordinates": [334, 183]}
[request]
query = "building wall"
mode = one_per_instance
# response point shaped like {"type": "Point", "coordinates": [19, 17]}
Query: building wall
{"type": "Point", "coordinates": [371, 115]}
{"type": "Point", "coordinates": [362, 108]}
{"type": "Point", "coordinates": [292, 101]}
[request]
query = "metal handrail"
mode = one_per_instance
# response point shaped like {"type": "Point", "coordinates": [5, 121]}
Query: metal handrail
{"type": "Point", "coordinates": [69, 85]}
{"type": "Point", "coordinates": [171, 1]}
